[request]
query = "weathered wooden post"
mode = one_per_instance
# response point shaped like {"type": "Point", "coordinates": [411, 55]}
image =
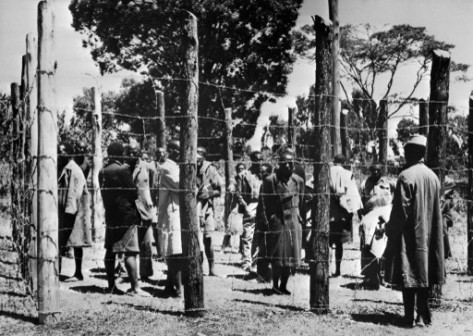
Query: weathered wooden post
{"type": "Point", "coordinates": [344, 133]}
{"type": "Point", "coordinates": [48, 271]}
{"type": "Point", "coordinates": [290, 127]}
{"type": "Point", "coordinates": [470, 188]}
{"type": "Point", "coordinates": [423, 118]}
{"type": "Point", "coordinates": [437, 139]}
{"type": "Point", "coordinates": [229, 171]}
{"type": "Point", "coordinates": [383, 134]}
{"type": "Point", "coordinates": [192, 275]}
{"type": "Point", "coordinates": [97, 163]}
{"type": "Point", "coordinates": [319, 256]}
{"type": "Point", "coordinates": [31, 102]}
{"type": "Point", "coordinates": [161, 132]}
{"type": "Point", "coordinates": [335, 76]}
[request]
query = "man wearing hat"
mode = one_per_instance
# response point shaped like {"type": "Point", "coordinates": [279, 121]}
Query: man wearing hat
{"type": "Point", "coordinates": [415, 252]}
{"type": "Point", "coordinates": [121, 236]}
{"type": "Point", "coordinates": [210, 186]}
{"type": "Point", "coordinates": [344, 201]}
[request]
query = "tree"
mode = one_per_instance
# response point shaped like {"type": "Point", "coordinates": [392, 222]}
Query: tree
{"type": "Point", "coordinates": [405, 128]}
{"type": "Point", "coordinates": [245, 51]}
{"type": "Point", "coordinates": [370, 60]}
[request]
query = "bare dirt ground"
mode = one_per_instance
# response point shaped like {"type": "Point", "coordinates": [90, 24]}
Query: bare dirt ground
{"type": "Point", "coordinates": [236, 306]}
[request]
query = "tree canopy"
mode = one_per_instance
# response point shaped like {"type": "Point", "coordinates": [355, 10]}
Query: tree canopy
{"type": "Point", "coordinates": [245, 50]}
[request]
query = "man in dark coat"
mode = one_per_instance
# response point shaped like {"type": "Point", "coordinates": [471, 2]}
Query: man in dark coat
{"type": "Point", "coordinates": [415, 251]}
{"type": "Point", "coordinates": [121, 218]}
{"type": "Point", "coordinates": [281, 198]}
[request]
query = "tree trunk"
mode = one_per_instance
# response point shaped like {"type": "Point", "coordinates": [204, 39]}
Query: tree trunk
{"type": "Point", "coordinates": [97, 204]}
{"type": "Point", "coordinates": [193, 276]}
{"type": "Point", "coordinates": [423, 118]}
{"type": "Point", "coordinates": [48, 271]}
{"type": "Point", "coordinates": [470, 188]}
{"type": "Point", "coordinates": [319, 258]}
{"type": "Point", "coordinates": [335, 44]}
{"type": "Point", "coordinates": [383, 134]}
{"type": "Point", "coordinates": [437, 140]}
{"type": "Point", "coordinates": [161, 135]}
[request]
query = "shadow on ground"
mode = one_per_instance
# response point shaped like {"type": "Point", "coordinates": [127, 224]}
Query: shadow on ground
{"type": "Point", "coordinates": [383, 319]}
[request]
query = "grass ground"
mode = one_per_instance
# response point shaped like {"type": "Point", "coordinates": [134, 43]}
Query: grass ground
{"type": "Point", "coordinates": [236, 306]}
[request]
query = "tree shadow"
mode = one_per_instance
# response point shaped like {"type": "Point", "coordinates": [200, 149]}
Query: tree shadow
{"type": "Point", "coordinates": [379, 302]}
{"type": "Point", "coordinates": [97, 270]}
{"type": "Point", "coordinates": [21, 317]}
{"type": "Point", "coordinates": [245, 277]}
{"type": "Point", "coordinates": [381, 319]}
{"type": "Point", "coordinates": [257, 291]}
{"type": "Point", "coordinates": [156, 292]}
{"type": "Point", "coordinates": [349, 276]}
{"type": "Point", "coordinates": [229, 263]}
{"type": "Point", "coordinates": [177, 313]}
{"type": "Point", "coordinates": [92, 289]}
{"type": "Point", "coordinates": [153, 282]}
{"type": "Point", "coordinates": [265, 304]}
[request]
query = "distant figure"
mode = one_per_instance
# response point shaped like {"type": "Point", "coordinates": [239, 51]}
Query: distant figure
{"type": "Point", "coordinates": [169, 219]}
{"type": "Point", "coordinates": [344, 201]}
{"type": "Point", "coordinates": [121, 236]}
{"type": "Point", "coordinates": [415, 251]}
{"type": "Point", "coordinates": [210, 186]}
{"type": "Point", "coordinates": [74, 206]}
{"type": "Point", "coordinates": [281, 198]}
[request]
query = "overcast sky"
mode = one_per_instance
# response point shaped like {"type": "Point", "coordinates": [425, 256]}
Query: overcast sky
{"type": "Point", "coordinates": [448, 20]}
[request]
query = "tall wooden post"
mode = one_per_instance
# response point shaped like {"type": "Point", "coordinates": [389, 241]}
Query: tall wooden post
{"type": "Point", "coordinates": [192, 275]}
{"type": "Point", "coordinates": [48, 272]}
{"type": "Point", "coordinates": [319, 252]}
{"type": "Point", "coordinates": [229, 171]}
{"type": "Point", "coordinates": [437, 140]}
{"type": "Point", "coordinates": [383, 134]}
{"type": "Point", "coordinates": [335, 45]}
{"type": "Point", "coordinates": [31, 103]}
{"type": "Point", "coordinates": [290, 127]}
{"type": "Point", "coordinates": [344, 134]}
{"type": "Point", "coordinates": [161, 135]}
{"type": "Point", "coordinates": [470, 188]}
{"type": "Point", "coordinates": [97, 162]}
{"type": "Point", "coordinates": [423, 118]}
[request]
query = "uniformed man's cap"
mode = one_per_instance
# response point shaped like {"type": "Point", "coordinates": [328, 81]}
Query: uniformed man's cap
{"type": "Point", "coordinates": [418, 140]}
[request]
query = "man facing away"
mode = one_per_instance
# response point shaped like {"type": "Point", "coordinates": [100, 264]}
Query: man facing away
{"type": "Point", "coordinates": [415, 252]}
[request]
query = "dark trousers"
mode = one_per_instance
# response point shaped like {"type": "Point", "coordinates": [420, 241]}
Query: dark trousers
{"type": "Point", "coordinates": [416, 297]}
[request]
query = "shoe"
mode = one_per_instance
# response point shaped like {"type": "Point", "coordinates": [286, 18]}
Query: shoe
{"type": "Point", "coordinates": [74, 278]}
{"type": "Point", "coordinates": [284, 291]}
{"type": "Point", "coordinates": [137, 292]}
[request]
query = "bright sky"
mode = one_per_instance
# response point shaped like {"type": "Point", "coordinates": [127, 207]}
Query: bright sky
{"type": "Point", "coordinates": [448, 20]}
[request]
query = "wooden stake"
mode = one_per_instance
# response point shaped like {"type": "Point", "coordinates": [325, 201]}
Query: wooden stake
{"type": "Point", "coordinates": [383, 134]}
{"type": "Point", "coordinates": [319, 259]}
{"type": "Point", "coordinates": [423, 118]}
{"type": "Point", "coordinates": [48, 271]}
{"type": "Point", "coordinates": [192, 275]}
{"type": "Point", "coordinates": [290, 127]}
{"type": "Point", "coordinates": [335, 45]}
{"type": "Point", "coordinates": [344, 135]}
{"type": "Point", "coordinates": [97, 162]}
{"type": "Point", "coordinates": [437, 140]}
{"type": "Point", "coordinates": [161, 136]}
{"type": "Point", "coordinates": [470, 188]}
{"type": "Point", "coordinates": [32, 146]}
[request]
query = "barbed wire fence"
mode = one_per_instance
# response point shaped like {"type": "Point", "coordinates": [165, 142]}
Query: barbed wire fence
{"type": "Point", "coordinates": [18, 246]}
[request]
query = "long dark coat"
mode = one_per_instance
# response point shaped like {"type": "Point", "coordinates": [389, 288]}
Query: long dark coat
{"type": "Point", "coordinates": [119, 195]}
{"type": "Point", "coordinates": [415, 251]}
{"type": "Point", "coordinates": [279, 208]}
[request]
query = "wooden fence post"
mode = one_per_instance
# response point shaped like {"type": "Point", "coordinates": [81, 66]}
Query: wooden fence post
{"type": "Point", "coordinates": [470, 189]}
{"type": "Point", "coordinates": [437, 139]}
{"type": "Point", "coordinates": [345, 139]}
{"type": "Point", "coordinates": [290, 127]}
{"type": "Point", "coordinates": [97, 164]}
{"type": "Point", "coordinates": [48, 271]}
{"type": "Point", "coordinates": [335, 46]}
{"type": "Point", "coordinates": [192, 275]}
{"type": "Point", "coordinates": [319, 259]}
{"type": "Point", "coordinates": [229, 171]}
{"type": "Point", "coordinates": [423, 118]}
{"type": "Point", "coordinates": [383, 134]}
{"type": "Point", "coordinates": [161, 135]}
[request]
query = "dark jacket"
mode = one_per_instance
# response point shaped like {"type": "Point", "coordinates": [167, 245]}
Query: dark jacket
{"type": "Point", "coordinates": [415, 251]}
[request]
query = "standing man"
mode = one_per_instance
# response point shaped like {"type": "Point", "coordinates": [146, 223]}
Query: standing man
{"type": "Point", "coordinates": [281, 198]}
{"type": "Point", "coordinates": [74, 206]}
{"type": "Point", "coordinates": [142, 177]}
{"type": "Point", "coordinates": [210, 186]}
{"type": "Point", "coordinates": [415, 251]}
{"type": "Point", "coordinates": [169, 219]}
{"type": "Point", "coordinates": [248, 184]}
{"type": "Point", "coordinates": [121, 236]}
{"type": "Point", "coordinates": [344, 201]}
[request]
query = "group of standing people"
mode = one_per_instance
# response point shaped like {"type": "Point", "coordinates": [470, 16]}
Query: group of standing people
{"type": "Point", "coordinates": [141, 200]}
